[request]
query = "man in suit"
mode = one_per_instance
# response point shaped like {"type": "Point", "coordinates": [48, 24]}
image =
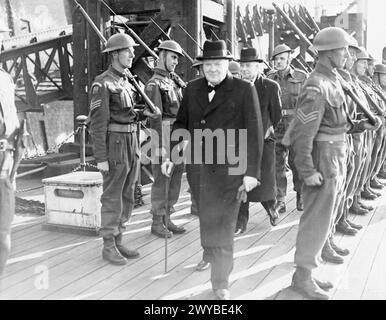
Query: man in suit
{"type": "Point", "coordinates": [268, 92]}
{"type": "Point", "coordinates": [221, 105]}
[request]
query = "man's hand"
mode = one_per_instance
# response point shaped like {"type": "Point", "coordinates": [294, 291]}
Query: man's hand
{"type": "Point", "coordinates": [315, 180]}
{"type": "Point", "coordinates": [103, 166]}
{"type": "Point", "coordinates": [250, 183]}
{"type": "Point", "coordinates": [154, 115]}
{"type": "Point", "coordinates": [367, 125]}
{"type": "Point", "coordinates": [166, 168]}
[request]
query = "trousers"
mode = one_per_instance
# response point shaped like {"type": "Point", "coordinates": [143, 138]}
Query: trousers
{"type": "Point", "coordinates": [119, 183]}
{"type": "Point", "coordinates": [320, 203]}
{"type": "Point", "coordinates": [221, 259]}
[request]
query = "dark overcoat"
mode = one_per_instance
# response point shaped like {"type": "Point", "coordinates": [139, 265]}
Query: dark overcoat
{"type": "Point", "coordinates": [270, 106]}
{"type": "Point", "coordinates": [234, 106]}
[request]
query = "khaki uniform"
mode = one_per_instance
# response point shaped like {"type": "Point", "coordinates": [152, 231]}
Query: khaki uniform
{"type": "Point", "coordinates": [290, 83]}
{"type": "Point", "coordinates": [166, 94]}
{"type": "Point", "coordinates": [113, 132]}
{"type": "Point", "coordinates": [9, 125]}
{"type": "Point", "coordinates": [319, 142]}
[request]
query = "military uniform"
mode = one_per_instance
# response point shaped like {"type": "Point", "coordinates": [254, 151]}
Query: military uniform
{"type": "Point", "coordinates": [318, 138]}
{"type": "Point", "coordinates": [290, 84]}
{"type": "Point", "coordinates": [165, 93]}
{"type": "Point", "coordinates": [9, 125]}
{"type": "Point", "coordinates": [113, 132]}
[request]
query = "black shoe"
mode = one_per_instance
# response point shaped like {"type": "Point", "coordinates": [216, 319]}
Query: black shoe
{"type": "Point", "coordinates": [280, 207]}
{"type": "Point", "coordinates": [175, 229]}
{"type": "Point", "coordinates": [308, 287]}
{"type": "Point", "coordinates": [299, 202]}
{"type": "Point", "coordinates": [125, 252]}
{"type": "Point", "coordinates": [202, 265]}
{"type": "Point", "coordinates": [382, 175]}
{"type": "Point", "coordinates": [273, 216]}
{"type": "Point", "coordinates": [366, 207]}
{"type": "Point", "coordinates": [367, 195]}
{"type": "Point", "coordinates": [377, 194]}
{"type": "Point", "coordinates": [324, 284]}
{"type": "Point", "coordinates": [376, 185]}
{"type": "Point", "coordinates": [329, 255]}
{"type": "Point", "coordinates": [345, 229]}
{"type": "Point", "coordinates": [339, 250]}
{"type": "Point", "coordinates": [354, 225]}
{"type": "Point", "coordinates": [110, 252]}
{"type": "Point", "coordinates": [240, 228]}
{"type": "Point", "coordinates": [358, 210]}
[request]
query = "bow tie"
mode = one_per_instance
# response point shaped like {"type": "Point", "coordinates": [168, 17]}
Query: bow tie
{"type": "Point", "coordinates": [212, 88]}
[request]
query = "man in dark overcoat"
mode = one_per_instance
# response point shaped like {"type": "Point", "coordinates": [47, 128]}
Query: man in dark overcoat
{"type": "Point", "coordinates": [221, 105]}
{"type": "Point", "coordinates": [270, 106]}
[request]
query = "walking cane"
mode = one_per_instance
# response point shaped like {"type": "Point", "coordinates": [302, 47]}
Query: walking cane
{"type": "Point", "coordinates": [167, 185]}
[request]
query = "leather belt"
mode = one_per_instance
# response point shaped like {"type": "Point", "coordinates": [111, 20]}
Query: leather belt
{"type": "Point", "coordinates": [130, 127]}
{"type": "Point", "coordinates": [287, 112]}
{"type": "Point", "coordinates": [330, 137]}
{"type": "Point", "coordinates": [6, 146]}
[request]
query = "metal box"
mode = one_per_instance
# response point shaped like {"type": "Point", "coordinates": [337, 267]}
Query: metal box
{"type": "Point", "coordinates": [73, 202]}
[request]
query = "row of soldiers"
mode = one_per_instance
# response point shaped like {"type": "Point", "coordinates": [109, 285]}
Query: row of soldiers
{"type": "Point", "coordinates": [334, 152]}
{"type": "Point", "coordinates": [319, 121]}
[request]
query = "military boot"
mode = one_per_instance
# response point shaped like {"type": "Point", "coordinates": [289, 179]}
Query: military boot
{"type": "Point", "coordinates": [354, 225]}
{"type": "Point", "coordinates": [368, 195]}
{"type": "Point", "coordinates": [344, 228]}
{"type": "Point", "coordinates": [376, 184]}
{"type": "Point", "coordinates": [110, 252]}
{"type": "Point", "coordinates": [382, 174]}
{"type": "Point", "coordinates": [158, 228]}
{"type": "Point", "coordinates": [306, 285]}
{"type": "Point", "coordinates": [338, 250]}
{"type": "Point", "coordinates": [299, 202]}
{"type": "Point", "coordinates": [357, 209]}
{"type": "Point", "coordinates": [172, 227]}
{"type": "Point", "coordinates": [126, 252]}
{"type": "Point", "coordinates": [329, 255]}
{"type": "Point", "coordinates": [365, 206]}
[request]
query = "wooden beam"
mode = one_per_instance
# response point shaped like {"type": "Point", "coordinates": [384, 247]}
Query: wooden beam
{"type": "Point", "coordinates": [135, 6]}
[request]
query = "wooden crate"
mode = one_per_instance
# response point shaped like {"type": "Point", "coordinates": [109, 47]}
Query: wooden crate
{"type": "Point", "coordinates": [73, 202]}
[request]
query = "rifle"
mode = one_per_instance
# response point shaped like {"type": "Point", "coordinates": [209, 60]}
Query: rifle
{"type": "Point", "coordinates": [128, 72]}
{"type": "Point", "coordinates": [379, 92]}
{"type": "Point", "coordinates": [256, 21]}
{"type": "Point", "coordinates": [307, 14]}
{"type": "Point", "coordinates": [296, 29]}
{"type": "Point", "coordinates": [240, 31]}
{"type": "Point", "coordinates": [248, 24]}
{"type": "Point", "coordinates": [168, 37]}
{"type": "Point", "coordinates": [131, 32]}
{"type": "Point", "coordinates": [373, 103]}
{"type": "Point", "coordinates": [348, 90]}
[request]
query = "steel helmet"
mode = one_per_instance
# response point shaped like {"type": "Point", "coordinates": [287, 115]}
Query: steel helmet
{"type": "Point", "coordinates": [380, 68]}
{"type": "Point", "coordinates": [196, 63]}
{"type": "Point", "coordinates": [169, 45]}
{"type": "Point", "coordinates": [354, 43]}
{"type": "Point", "coordinates": [234, 67]}
{"type": "Point", "coordinates": [331, 38]}
{"type": "Point", "coordinates": [362, 54]}
{"type": "Point", "coordinates": [281, 48]}
{"type": "Point", "coordinates": [119, 41]}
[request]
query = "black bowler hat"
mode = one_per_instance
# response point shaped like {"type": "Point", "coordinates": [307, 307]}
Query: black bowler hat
{"type": "Point", "coordinates": [249, 55]}
{"type": "Point", "coordinates": [215, 50]}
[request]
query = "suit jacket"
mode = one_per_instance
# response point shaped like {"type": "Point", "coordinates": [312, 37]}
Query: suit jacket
{"type": "Point", "coordinates": [234, 106]}
{"type": "Point", "coordinates": [270, 106]}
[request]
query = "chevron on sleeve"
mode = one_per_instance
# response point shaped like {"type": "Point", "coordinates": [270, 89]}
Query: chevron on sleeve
{"type": "Point", "coordinates": [306, 118]}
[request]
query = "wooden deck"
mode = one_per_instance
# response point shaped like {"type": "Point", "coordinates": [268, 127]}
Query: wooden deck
{"type": "Point", "coordinates": [54, 265]}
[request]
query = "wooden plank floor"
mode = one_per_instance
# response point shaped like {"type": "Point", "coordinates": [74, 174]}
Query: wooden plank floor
{"type": "Point", "coordinates": [54, 265]}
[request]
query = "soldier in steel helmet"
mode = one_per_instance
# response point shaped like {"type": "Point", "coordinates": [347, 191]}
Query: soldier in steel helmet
{"type": "Point", "coordinates": [165, 90]}
{"type": "Point", "coordinates": [290, 80]}
{"type": "Point", "coordinates": [113, 132]}
{"type": "Point", "coordinates": [318, 138]}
